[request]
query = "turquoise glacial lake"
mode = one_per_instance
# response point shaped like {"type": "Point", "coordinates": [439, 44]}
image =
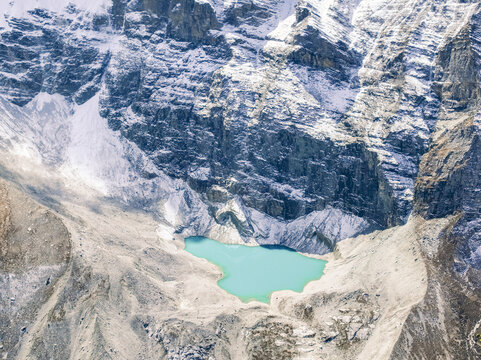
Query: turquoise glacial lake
{"type": "Point", "coordinates": [254, 272]}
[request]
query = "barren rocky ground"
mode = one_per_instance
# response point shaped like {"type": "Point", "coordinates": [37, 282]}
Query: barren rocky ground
{"type": "Point", "coordinates": [102, 283]}
{"type": "Point", "coordinates": [343, 129]}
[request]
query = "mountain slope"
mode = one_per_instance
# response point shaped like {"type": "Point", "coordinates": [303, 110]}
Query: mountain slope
{"type": "Point", "coordinates": [299, 123]}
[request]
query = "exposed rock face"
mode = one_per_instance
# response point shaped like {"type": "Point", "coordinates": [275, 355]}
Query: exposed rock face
{"type": "Point", "coordinates": [185, 340]}
{"type": "Point", "coordinates": [448, 183]}
{"type": "Point", "coordinates": [446, 323]}
{"type": "Point", "coordinates": [177, 80]}
{"type": "Point", "coordinates": [271, 340]}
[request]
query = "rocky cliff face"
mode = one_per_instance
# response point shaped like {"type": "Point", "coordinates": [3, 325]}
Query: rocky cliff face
{"type": "Point", "coordinates": [268, 102]}
{"type": "Point", "coordinates": [290, 122]}
{"type": "Point", "coordinates": [291, 107]}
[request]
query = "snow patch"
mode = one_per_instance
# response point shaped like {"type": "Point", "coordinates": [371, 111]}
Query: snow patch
{"type": "Point", "coordinates": [200, 173]}
{"type": "Point", "coordinates": [19, 8]}
{"type": "Point", "coordinates": [95, 152]}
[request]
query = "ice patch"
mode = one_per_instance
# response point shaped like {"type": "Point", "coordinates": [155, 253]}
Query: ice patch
{"type": "Point", "coordinates": [37, 130]}
{"type": "Point", "coordinates": [172, 207]}
{"type": "Point", "coordinates": [93, 153]}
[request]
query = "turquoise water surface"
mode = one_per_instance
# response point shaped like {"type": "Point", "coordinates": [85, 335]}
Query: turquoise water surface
{"type": "Point", "coordinates": [254, 272]}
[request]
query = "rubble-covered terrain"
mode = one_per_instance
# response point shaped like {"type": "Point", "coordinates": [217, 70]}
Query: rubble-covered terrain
{"type": "Point", "coordinates": [128, 125]}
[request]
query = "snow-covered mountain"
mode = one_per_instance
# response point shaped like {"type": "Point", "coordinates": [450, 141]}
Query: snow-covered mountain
{"type": "Point", "coordinates": [300, 123]}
